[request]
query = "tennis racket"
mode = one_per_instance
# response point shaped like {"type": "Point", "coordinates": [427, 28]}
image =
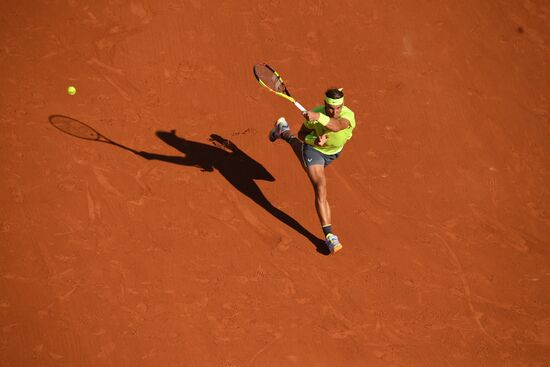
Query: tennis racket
{"type": "Point", "coordinates": [270, 79]}
{"type": "Point", "coordinates": [78, 129]}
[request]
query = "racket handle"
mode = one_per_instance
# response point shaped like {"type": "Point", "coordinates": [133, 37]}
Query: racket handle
{"type": "Point", "coordinates": [300, 107]}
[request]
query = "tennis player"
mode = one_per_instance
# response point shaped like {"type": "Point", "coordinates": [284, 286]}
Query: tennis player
{"type": "Point", "coordinates": [320, 141]}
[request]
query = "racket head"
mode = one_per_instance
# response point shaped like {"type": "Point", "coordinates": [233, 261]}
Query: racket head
{"type": "Point", "coordinates": [73, 127]}
{"type": "Point", "coordinates": [270, 79]}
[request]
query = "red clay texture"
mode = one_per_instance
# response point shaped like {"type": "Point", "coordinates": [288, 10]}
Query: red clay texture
{"type": "Point", "coordinates": [191, 240]}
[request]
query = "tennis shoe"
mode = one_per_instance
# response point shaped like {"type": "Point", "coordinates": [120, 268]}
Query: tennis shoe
{"type": "Point", "coordinates": [333, 243]}
{"type": "Point", "coordinates": [280, 127]}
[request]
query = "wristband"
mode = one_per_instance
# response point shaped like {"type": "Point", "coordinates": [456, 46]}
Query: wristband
{"type": "Point", "coordinates": [323, 119]}
{"type": "Point", "coordinates": [310, 140]}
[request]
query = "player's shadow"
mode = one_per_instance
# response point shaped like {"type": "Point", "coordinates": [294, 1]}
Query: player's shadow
{"type": "Point", "coordinates": [236, 166]}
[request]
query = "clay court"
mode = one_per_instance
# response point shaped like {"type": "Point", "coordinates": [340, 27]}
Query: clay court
{"type": "Point", "coordinates": [194, 241]}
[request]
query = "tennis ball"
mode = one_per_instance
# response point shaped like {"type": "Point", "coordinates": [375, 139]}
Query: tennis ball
{"type": "Point", "coordinates": [71, 90]}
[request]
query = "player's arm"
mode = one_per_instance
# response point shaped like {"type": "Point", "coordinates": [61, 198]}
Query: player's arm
{"type": "Point", "coordinates": [337, 124]}
{"type": "Point", "coordinates": [305, 135]}
{"type": "Point", "coordinates": [330, 123]}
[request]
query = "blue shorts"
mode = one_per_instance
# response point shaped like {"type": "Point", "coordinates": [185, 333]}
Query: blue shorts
{"type": "Point", "coordinates": [312, 157]}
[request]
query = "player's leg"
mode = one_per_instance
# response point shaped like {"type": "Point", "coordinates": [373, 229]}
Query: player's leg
{"type": "Point", "coordinates": [298, 148]}
{"type": "Point", "coordinates": [281, 130]}
{"type": "Point", "coordinates": [316, 174]}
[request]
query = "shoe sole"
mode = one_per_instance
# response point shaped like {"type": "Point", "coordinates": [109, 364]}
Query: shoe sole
{"type": "Point", "coordinates": [337, 248]}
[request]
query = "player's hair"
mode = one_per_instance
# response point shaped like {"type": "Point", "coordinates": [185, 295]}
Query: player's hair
{"type": "Point", "coordinates": [334, 93]}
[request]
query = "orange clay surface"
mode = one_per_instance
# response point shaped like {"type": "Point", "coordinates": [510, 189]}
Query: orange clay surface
{"type": "Point", "coordinates": [205, 255]}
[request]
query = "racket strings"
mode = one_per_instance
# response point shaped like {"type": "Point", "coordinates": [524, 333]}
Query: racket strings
{"type": "Point", "coordinates": [269, 78]}
{"type": "Point", "coordinates": [74, 128]}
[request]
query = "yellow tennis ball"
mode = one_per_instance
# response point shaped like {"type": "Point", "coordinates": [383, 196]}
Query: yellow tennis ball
{"type": "Point", "coordinates": [71, 90]}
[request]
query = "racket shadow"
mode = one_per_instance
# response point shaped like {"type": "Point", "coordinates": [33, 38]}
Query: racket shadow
{"type": "Point", "coordinates": [239, 169]}
{"type": "Point", "coordinates": [81, 130]}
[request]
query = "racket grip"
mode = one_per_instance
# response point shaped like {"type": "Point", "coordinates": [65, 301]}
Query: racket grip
{"type": "Point", "coordinates": [300, 107]}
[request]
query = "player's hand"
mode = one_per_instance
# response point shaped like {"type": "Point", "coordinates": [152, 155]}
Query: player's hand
{"type": "Point", "coordinates": [311, 116]}
{"type": "Point", "coordinates": [321, 140]}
